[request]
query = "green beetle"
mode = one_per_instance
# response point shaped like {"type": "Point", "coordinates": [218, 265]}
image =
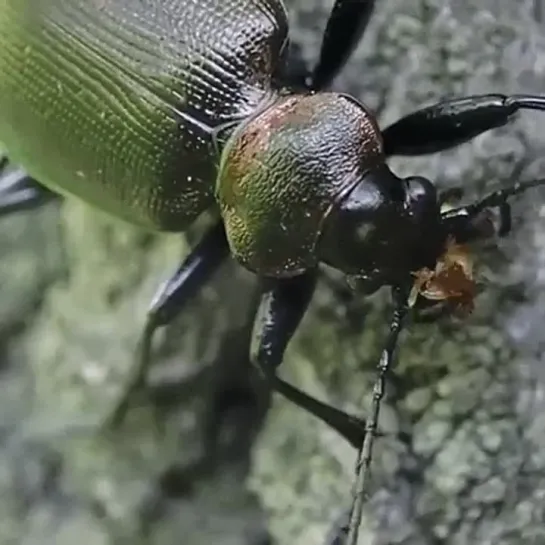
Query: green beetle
{"type": "Point", "coordinates": [157, 110]}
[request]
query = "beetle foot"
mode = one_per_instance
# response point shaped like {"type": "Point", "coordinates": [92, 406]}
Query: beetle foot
{"type": "Point", "coordinates": [18, 191]}
{"type": "Point", "coordinates": [339, 532]}
{"type": "Point", "coordinates": [136, 386]}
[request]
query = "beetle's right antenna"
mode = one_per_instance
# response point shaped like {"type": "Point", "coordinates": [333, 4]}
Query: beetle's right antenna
{"type": "Point", "coordinates": [499, 198]}
{"type": "Point", "coordinates": [460, 218]}
{"type": "Point", "coordinates": [496, 199]}
{"type": "Point", "coordinates": [401, 307]}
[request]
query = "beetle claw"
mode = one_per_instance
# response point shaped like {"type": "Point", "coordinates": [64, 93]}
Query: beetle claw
{"type": "Point", "coordinates": [137, 381]}
{"type": "Point", "coordinates": [18, 191]}
{"type": "Point", "coordinates": [339, 533]}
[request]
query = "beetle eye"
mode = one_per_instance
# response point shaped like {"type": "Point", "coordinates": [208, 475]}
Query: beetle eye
{"type": "Point", "coordinates": [422, 203]}
{"type": "Point", "coordinates": [421, 196]}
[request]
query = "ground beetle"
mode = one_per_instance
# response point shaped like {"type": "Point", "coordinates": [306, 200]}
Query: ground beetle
{"type": "Point", "coordinates": [156, 110]}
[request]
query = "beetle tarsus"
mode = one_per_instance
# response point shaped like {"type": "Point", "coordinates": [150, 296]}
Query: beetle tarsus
{"type": "Point", "coordinates": [18, 191]}
{"type": "Point", "coordinates": [339, 531]}
{"type": "Point", "coordinates": [345, 28]}
{"type": "Point", "coordinates": [136, 383]}
{"type": "Point", "coordinates": [169, 301]}
{"type": "Point", "coordinates": [283, 304]}
{"type": "Point", "coordinates": [453, 122]}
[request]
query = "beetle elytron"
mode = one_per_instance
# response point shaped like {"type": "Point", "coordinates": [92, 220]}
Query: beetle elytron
{"type": "Point", "coordinates": [156, 110]}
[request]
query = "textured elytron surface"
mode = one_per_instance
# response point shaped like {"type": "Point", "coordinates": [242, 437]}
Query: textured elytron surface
{"type": "Point", "coordinates": [116, 101]}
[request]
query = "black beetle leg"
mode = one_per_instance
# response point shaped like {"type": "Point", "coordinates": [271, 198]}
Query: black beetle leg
{"type": "Point", "coordinates": [339, 530]}
{"type": "Point", "coordinates": [283, 304]}
{"type": "Point", "coordinates": [345, 28]}
{"type": "Point", "coordinates": [447, 124]}
{"type": "Point", "coordinates": [194, 272]}
{"type": "Point", "coordinates": [344, 533]}
{"type": "Point", "coordinates": [506, 219]}
{"type": "Point", "coordinates": [346, 25]}
{"type": "Point", "coordinates": [18, 191]}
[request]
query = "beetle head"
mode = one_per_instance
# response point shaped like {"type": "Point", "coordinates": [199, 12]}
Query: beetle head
{"type": "Point", "coordinates": [385, 227]}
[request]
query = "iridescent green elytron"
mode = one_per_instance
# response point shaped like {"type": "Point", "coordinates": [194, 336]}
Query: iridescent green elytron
{"type": "Point", "coordinates": [118, 101]}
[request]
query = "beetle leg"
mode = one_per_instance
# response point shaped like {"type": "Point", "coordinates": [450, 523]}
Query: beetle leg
{"type": "Point", "coordinates": [168, 302]}
{"type": "Point", "coordinates": [453, 195]}
{"type": "Point", "coordinates": [450, 123]}
{"type": "Point", "coordinates": [283, 304]}
{"type": "Point", "coordinates": [506, 219]}
{"type": "Point", "coordinates": [18, 191]}
{"type": "Point", "coordinates": [345, 27]}
{"type": "Point", "coordinates": [339, 531]}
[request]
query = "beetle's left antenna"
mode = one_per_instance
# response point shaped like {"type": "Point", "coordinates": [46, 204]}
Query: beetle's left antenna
{"type": "Point", "coordinates": [365, 453]}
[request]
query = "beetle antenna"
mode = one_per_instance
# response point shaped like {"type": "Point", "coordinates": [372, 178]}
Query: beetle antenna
{"type": "Point", "coordinates": [499, 198]}
{"type": "Point", "coordinates": [401, 307]}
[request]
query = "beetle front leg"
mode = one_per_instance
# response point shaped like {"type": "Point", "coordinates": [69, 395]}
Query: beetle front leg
{"type": "Point", "coordinates": [169, 301]}
{"type": "Point", "coordinates": [18, 191]}
{"type": "Point", "coordinates": [283, 304]}
{"type": "Point", "coordinates": [450, 123]}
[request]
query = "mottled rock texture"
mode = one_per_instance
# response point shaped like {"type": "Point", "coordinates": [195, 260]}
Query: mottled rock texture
{"type": "Point", "coordinates": [463, 457]}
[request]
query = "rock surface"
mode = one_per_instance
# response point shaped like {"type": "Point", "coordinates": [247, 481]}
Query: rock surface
{"type": "Point", "coordinates": [462, 461]}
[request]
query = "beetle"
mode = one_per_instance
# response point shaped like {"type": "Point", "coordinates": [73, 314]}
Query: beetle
{"type": "Point", "coordinates": [157, 110]}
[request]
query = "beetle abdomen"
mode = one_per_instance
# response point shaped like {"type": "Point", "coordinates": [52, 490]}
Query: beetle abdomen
{"type": "Point", "coordinates": [282, 172]}
{"type": "Point", "coordinates": [118, 101]}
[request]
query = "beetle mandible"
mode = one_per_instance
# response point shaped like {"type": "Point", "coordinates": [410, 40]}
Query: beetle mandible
{"type": "Point", "coordinates": [157, 110]}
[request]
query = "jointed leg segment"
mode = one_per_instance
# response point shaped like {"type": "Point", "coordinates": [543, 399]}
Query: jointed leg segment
{"type": "Point", "coordinates": [345, 27]}
{"type": "Point", "coordinates": [169, 301]}
{"type": "Point", "coordinates": [18, 191]}
{"type": "Point", "coordinates": [450, 123]}
{"type": "Point", "coordinates": [282, 306]}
